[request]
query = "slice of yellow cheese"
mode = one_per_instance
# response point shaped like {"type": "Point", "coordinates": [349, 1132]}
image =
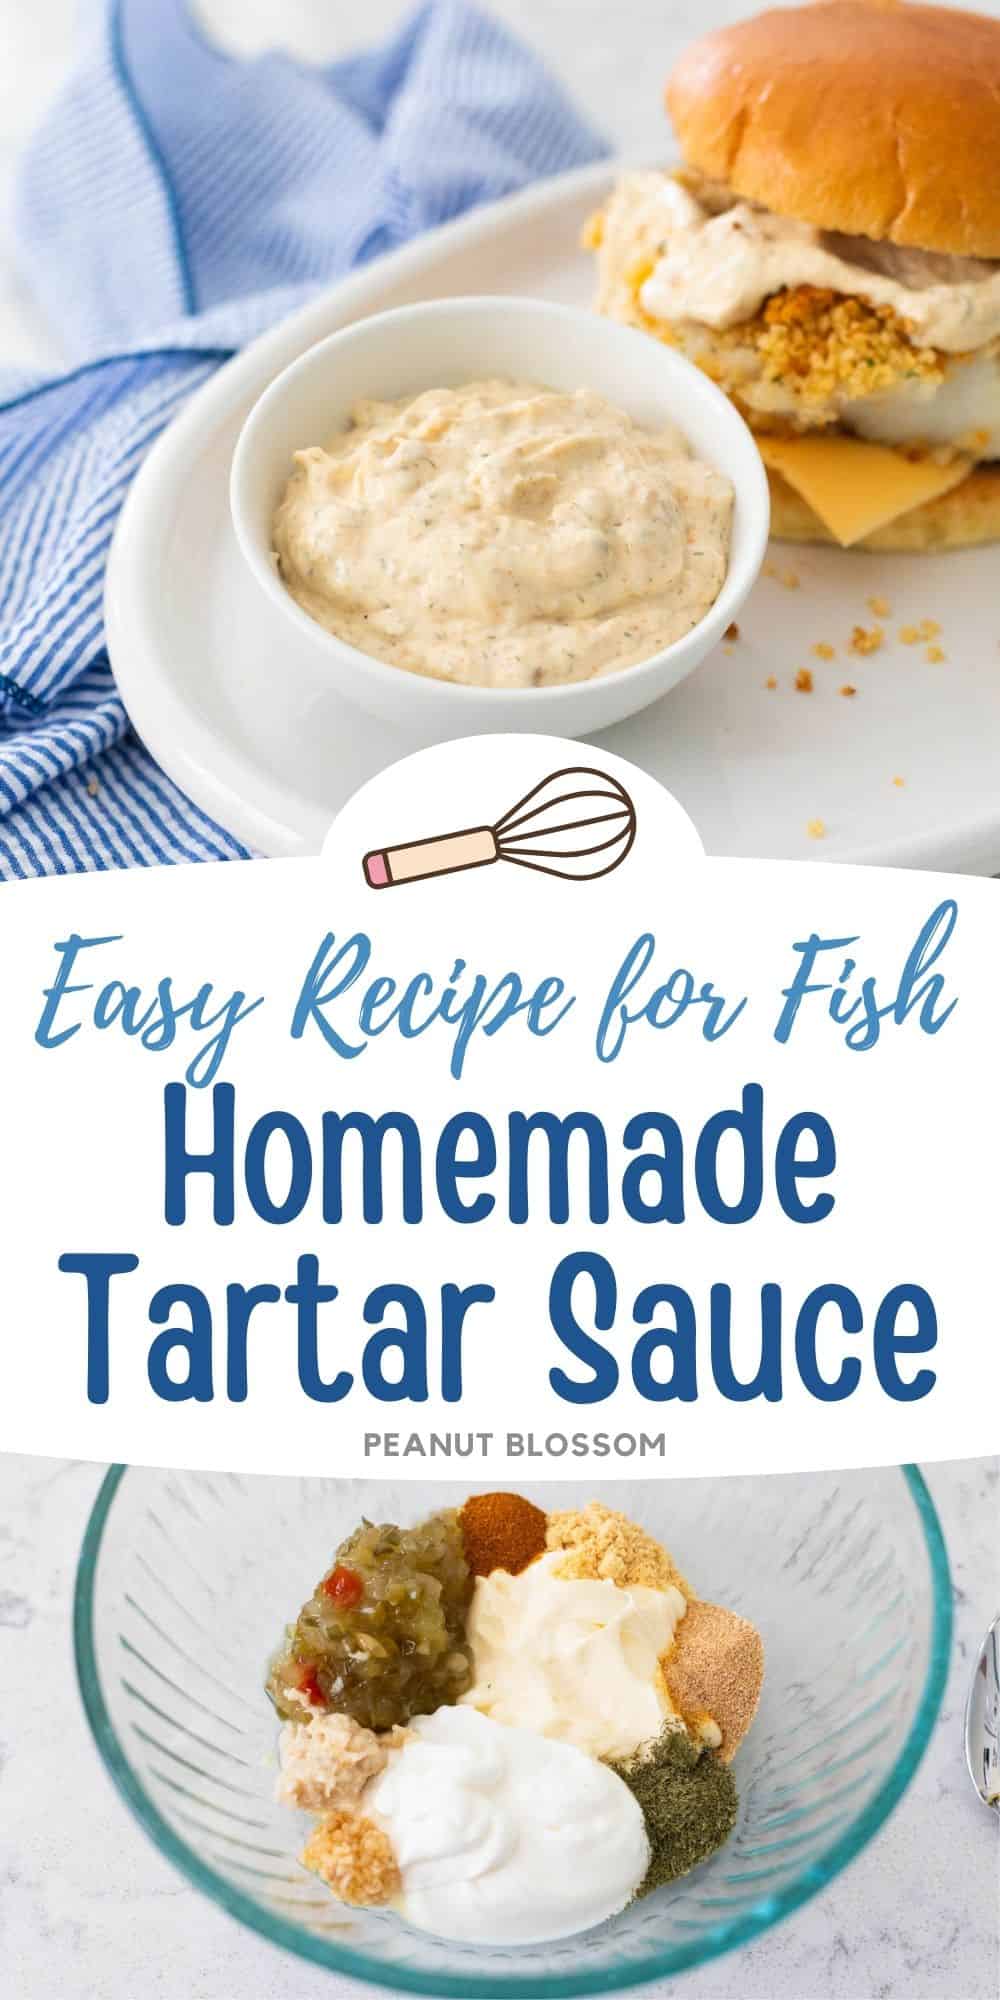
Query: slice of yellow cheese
{"type": "Point", "coordinates": [856, 487]}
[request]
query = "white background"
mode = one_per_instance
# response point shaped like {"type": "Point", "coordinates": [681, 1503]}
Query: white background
{"type": "Point", "coordinates": [88, 1905]}
{"type": "Point", "coordinates": [913, 1120]}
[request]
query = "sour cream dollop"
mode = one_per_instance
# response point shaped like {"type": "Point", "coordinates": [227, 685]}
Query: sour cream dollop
{"type": "Point", "coordinates": [502, 1837]}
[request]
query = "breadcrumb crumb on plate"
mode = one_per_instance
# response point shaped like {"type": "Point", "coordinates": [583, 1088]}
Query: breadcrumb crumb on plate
{"type": "Point", "coordinates": [866, 639]}
{"type": "Point", "coordinates": [788, 578]}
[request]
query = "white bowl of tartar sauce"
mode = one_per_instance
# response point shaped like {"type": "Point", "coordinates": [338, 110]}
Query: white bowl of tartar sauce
{"type": "Point", "coordinates": [500, 514]}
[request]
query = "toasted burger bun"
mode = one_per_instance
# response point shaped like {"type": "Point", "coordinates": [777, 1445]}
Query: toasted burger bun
{"type": "Point", "coordinates": [970, 513]}
{"type": "Point", "coordinates": [873, 120]}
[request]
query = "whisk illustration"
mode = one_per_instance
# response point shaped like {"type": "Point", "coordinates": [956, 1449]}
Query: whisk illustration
{"type": "Point", "coordinates": [578, 823]}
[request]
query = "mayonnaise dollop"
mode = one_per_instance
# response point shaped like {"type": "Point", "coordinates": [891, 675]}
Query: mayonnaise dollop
{"type": "Point", "coordinates": [572, 1659]}
{"type": "Point", "coordinates": [502, 1838]}
{"type": "Point", "coordinates": [718, 265]}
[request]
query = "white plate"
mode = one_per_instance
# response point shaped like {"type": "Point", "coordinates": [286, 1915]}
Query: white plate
{"type": "Point", "coordinates": [248, 727]}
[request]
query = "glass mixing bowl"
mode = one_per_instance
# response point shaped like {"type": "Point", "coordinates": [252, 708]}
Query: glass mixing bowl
{"type": "Point", "coordinates": [186, 1581]}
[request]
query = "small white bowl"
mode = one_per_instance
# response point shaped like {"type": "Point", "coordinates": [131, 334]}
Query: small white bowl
{"type": "Point", "coordinates": [441, 345]}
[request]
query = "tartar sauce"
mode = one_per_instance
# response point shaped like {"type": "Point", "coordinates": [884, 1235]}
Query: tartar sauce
{"type": "Point", "coordinates": [504, 535]}
{"type": "Point", "coordinates": [721, 258]}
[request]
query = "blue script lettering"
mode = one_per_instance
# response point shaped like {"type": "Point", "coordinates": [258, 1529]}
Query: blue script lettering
{"type": "Point", "coordinates": [857, 1008]}
{"type": "Point", "coordinates": [664, 1006]}
{"type": "Point", "coordinates": [467, 1004]}
{"type": "Point", "coordinates": [156, 1022]}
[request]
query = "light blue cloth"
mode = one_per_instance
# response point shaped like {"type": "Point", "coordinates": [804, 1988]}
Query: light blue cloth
{"type": "Point", "coordinates": [175, 203]}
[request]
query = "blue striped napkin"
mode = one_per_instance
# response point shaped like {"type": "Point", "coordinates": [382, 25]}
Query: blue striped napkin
{"type": "Point", "coordinates": [174, 204]}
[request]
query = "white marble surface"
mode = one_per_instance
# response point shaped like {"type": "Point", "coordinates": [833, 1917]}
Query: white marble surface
{"type": "Point", "coordinates": [88, 1907]}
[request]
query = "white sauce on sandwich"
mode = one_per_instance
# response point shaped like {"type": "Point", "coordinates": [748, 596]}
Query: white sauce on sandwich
{"type": "Point", "coordinates": [718, 265]}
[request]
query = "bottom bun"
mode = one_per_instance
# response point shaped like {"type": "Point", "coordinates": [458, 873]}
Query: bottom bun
{"type": "Point", "coordinates": [970, 513]}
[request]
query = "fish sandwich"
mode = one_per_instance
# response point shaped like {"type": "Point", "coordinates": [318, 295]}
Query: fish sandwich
{"type": "Point", "coordinates": [829, 253]}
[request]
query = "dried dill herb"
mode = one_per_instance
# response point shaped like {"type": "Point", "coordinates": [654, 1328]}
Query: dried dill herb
{"type": "Point", "coordinates": [688, 1801]}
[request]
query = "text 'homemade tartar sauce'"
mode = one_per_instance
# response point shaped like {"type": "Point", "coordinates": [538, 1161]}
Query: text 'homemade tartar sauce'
{"type": "Point", "coordinates": [504, 535]}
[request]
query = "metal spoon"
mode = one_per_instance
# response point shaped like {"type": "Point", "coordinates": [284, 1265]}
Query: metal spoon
{"type": "Point", "coordinates": [982, 1720]}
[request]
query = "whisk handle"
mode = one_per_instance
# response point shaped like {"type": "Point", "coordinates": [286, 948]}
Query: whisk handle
{"type": "Point", "coordinates": [474, 847]}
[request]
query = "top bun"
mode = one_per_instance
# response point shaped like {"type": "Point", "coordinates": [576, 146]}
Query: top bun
{"type": "Point", "coordinates": [877, 120]}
